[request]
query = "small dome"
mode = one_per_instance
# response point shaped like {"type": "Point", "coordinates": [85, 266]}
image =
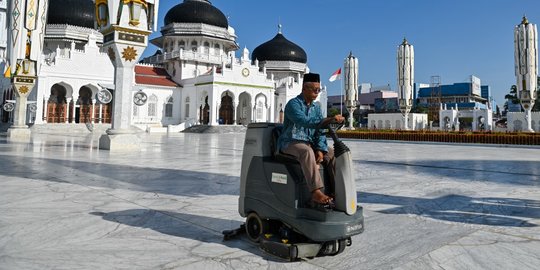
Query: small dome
{"type": "Point", "coordinates": [196, 11]}
{"type": "Point", "coordinates": [72, 12]}
{"type": "Point", "coordinates": [279, 49]}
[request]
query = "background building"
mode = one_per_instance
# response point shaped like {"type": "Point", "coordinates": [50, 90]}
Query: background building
{"type": "Point", "coordinates": [195, 78]}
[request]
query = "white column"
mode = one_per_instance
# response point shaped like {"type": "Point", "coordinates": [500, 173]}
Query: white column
{"type": "Point", "coordinates": [92, 116]}
{"type": "Point", "coordinates": [45, 109]}
{"type": "Point", "coordinates": [67, 111]}
{"type": "Point", "coordinates": [100, 113]}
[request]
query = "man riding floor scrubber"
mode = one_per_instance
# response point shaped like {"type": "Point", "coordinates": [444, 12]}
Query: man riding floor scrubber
{"type": "Point", "coordinates": [275, 200]}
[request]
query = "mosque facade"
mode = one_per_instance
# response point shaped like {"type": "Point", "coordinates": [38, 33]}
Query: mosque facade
{"type": "Point", "coordinates": [195, 77]}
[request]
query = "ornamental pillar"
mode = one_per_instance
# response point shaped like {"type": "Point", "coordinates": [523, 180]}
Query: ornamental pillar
{"type": "Point", "coordinates": [125, 25]}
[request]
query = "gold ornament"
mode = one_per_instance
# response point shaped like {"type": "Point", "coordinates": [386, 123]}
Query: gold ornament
{"type": "Point", "coordinates": [129, 53]}
{"type": "Point", "coordinates": [23, 89]}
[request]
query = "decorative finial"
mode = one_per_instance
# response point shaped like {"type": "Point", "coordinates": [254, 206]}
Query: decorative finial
{"type": "Point", "coordinates": [279, 28]}
{"type": "Point", "coordinates": [405, 42]}
{"type": "Point", "coordinates": [350, 54]}
{"type": "Point", "coordinates": [525, 21]}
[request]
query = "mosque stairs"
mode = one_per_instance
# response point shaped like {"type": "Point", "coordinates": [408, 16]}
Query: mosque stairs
{"type": "Point", "coordinates": [62, 128]}
{"type": "Point", "coordinates": [215, 129]}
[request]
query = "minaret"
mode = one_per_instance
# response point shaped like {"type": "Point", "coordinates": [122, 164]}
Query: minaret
{"type": "Point", "coordinates": [405, 68]}
{"type": "Point", "coordinates": [526, 59]}
{"type": "Point", "coordinates": [351, 86]}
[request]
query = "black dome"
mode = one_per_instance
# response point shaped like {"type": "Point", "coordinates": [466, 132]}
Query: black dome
{"type": "Point", "coordinates": [72, 12]}
{"type": "Point", "coordinates": [196, 11]}
{"type": "Point", "coordinates": [279, 49]}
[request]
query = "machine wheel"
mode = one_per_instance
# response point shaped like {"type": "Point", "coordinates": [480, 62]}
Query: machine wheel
{"type": "Point", "coordinates": [255, 227]}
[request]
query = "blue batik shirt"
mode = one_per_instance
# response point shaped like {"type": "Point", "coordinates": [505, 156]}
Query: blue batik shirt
{"type": "Point", "coordinates": [300, 124]}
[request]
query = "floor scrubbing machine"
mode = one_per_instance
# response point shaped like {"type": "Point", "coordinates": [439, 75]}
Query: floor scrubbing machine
{"type": "Point", "coordinates": [276, 202]}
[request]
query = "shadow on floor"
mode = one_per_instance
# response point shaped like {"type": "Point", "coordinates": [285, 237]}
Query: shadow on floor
{"type": "Point", "coordinates": [458, 208]}
{"type": "Point", "coordinates": [143, 179]}
{"type": "Point", "coordinates": [200, 228]}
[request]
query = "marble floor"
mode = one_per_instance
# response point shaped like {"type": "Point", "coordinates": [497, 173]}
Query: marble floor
{"type": "Point", "coordinates": [64, 204]}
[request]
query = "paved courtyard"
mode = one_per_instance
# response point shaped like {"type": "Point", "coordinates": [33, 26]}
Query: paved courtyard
{"type": "Point", "coordinates": [64, 204]}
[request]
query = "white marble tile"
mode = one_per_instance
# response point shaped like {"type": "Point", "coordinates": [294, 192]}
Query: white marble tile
{"type": "Point", "coordinates": [64, 204]}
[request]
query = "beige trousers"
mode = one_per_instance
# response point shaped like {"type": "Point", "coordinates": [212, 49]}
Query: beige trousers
{"type": "Point", "coordinates": [306, 156]}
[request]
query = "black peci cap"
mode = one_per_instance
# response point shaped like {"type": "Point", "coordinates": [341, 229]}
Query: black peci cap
{"type": "Point", "coordinates": [312, 77]}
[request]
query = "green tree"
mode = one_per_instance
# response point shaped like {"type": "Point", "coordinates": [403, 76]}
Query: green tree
{"type": "Point", "coordinates": [511, 97]}
{"type": "Point", "coordinates": [333, 112]}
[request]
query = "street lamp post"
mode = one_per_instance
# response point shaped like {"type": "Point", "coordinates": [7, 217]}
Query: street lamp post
{"type": "Point", "coordinates": [526, 59]}
{"type": "Point", "coordinates": [405, 67]}
{"type": "Point", "coordinates": [125, 25]}
{"type": "Point", "coordinates": [351, 86]}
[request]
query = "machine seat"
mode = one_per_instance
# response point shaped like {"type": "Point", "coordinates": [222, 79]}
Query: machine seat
{"type": "Point", "coordinates": [276, 154]}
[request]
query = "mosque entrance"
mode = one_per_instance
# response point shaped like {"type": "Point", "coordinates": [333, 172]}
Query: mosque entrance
{"type": "Point", "coordinates": [57, 105]}
{"type": "Point", "coordinates": [226, 111]}
{"type": "Point", "coordinates": [244, 109]}
{"type": "Point", "coordinates": [205, 112]}
{"type": "Point", "coordinates": [83, 114]}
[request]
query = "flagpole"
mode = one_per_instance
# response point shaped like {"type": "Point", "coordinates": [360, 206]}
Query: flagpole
{"type": "Point", "coordinates": [341, 96]}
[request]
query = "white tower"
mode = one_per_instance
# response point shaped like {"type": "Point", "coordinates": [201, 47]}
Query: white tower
{"type": "Point", "coordinates": [526, 59]}
{"type": "Point", "coordinates": [25, 40]}
{"type": "Point", "coordinates": [405, 68]}
{"type": "Point", "coordinates": [351, 85]}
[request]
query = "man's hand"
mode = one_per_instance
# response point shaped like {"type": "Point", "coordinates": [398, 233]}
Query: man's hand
{"type": "Point", "coordinates": [339, 118]}
{"type": "Point", "coordinates": [319, 155]}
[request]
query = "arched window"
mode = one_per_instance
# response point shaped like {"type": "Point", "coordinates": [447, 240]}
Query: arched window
{"type": "Point", "coordinates": [206, 48]}
{"type": "Point", "coordinates": [194, 46]}
{"type": "Point", "coordinates": [187, 107]}
{"type": "Point", "coordinates": [152, 106]}
{"type": "Point", "coordinates": [182, 45]}
{"type": "Point", "coordinates": [216, 49]}
{"type": "Point", "coordinates": [165, 43]}
{"type": "Point", "coordinates": [260, 106]}
{"type": "Point", "coordinates": [169, 107]}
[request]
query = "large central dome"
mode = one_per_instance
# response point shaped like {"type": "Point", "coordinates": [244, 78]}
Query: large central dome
{"type": "Point", "coordinates": [72, 12]}
{"type": "Point", "coordinates": [279, 49]}
{"type": "Point", "coordinates": [196, 11]}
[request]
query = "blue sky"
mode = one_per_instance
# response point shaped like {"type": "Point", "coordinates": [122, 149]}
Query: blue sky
{"type": "Point", "coordinates": [452, 38]}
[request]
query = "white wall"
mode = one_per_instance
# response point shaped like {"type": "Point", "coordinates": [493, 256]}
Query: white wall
{"type": "Point", "coordinates": [417, 121]}
{"type": "Point", "coordinates": [516, 121]}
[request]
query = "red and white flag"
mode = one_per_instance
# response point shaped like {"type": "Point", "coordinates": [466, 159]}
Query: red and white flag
{"type": "Point", "coordinates": [336, 75]}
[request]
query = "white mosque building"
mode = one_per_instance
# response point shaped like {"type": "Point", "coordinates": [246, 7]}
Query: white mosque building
{"type": "Point", "coordinates": [196, 76]}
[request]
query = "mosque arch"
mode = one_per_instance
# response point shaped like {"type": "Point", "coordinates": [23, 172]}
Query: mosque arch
{"type": "Point", "coordinates": [182, 45]}
{"type": "Point", "coordinates": [380, 124]}
{"type": "Point", "coordinates": [261, 108]}
{"type": "Point", "coordinates": [244, 109]}
{"type": "Point", "coordinates": [387, 124]}
{"type": "Point", "coordinates": [206, 47]}
{"type": "Point", "coordinates": [194, 45]}
{"type": "Point", "coordinates": [398, 124]}
{"type": "Point", "coordinates": [57, 109]}
{"type": "Point", "coordinates": [169, 105]}
{"type": "Point", "coordinates": [226, 109]}
{"type": "Point", "coordinates": [204, 109]}
{"type": "Point", "coordinates": [518, 125]}
{"type": "Point", "coordinates": [83, 105]}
